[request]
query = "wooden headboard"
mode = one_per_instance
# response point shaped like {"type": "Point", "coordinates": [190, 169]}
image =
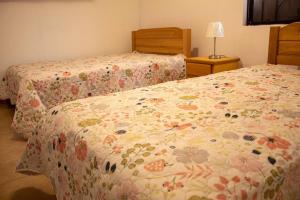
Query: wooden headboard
{"type": "Point", "coordinates": [284, 45]}
{"type": "Point", "coordinates": [168, 41]}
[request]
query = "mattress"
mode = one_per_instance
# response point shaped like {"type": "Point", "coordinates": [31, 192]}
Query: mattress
{"type": "Point", "coordinates": [230, 135]}
{"type": "Point", "coordinates": [35, 88]}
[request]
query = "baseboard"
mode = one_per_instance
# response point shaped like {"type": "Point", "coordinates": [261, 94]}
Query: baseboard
{"type": "Point", "coordinates": [6, 102]}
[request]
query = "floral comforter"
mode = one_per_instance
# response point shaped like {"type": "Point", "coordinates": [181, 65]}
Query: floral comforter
{"type": "Point", "coordinates": [35, 88]}
{"type": "Point", "coordinates": [229, 136]}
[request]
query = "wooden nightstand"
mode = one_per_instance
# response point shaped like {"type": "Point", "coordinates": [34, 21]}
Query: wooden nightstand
{"type": "Point", "coordinates": [201, 66]}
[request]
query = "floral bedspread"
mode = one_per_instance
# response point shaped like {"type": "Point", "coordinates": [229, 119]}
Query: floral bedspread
{"type": "Point", "coordinates": [229, 136]}
{"type": "Point", "coordinates": [35, 88]}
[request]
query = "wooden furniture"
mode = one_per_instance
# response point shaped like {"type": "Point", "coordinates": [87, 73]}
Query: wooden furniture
{"type": "Point", "coordinates": [201, 66]}
{"type": "Point", "coordinates": [284, 45]}
{"type": "Point", "coordinates": [162, 41]}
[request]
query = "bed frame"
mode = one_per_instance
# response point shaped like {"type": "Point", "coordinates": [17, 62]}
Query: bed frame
{"type": "Point", "coordinates": [284, 45]}
{"type": "Point", "coordinates": [169, 41]}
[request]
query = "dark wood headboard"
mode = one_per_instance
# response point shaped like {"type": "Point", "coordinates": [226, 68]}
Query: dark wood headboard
{"type": "Point", "coordinates": [284, 45]}
{"type": "Point", "coordinates": [162, 41]}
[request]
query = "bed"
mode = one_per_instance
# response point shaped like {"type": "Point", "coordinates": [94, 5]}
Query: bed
{"type": "Point", "coordinates": [230, 135]}
{"type": "Point", "coordinates": [158, 56]}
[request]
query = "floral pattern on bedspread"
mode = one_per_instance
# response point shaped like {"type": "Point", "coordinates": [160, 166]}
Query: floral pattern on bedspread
{"type": "Point", "coordinates": [229, 136]}
{"type": "Point", "coordinates": [35, 88]}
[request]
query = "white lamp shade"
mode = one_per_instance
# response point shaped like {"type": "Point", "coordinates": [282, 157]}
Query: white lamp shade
{"type": "Point", "coordinates": [215, 29]}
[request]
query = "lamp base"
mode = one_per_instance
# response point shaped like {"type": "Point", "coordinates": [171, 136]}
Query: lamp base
{"type": "Point", "coordinates": [216, 56]}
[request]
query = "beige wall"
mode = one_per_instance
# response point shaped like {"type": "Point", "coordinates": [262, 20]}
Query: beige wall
{"type": "Point", "coordinates": [250, 43]}
{"type": "Point", "coordinates": [33, 30]}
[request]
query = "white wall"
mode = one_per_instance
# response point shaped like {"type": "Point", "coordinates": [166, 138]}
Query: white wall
{"type": "Point", "coordinates": [34, 30]}
{"type": "Point", "coordinates": [250, 43]}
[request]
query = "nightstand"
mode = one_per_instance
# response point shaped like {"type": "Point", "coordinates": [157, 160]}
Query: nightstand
{"type": "Point", "coordinates": [201, 66]}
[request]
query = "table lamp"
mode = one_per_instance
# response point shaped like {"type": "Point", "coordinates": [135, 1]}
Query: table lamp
{"type": "Point", "coordinates": [215, 30]}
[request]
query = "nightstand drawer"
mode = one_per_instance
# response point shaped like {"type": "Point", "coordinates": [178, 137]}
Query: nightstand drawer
{"type": "Point", "coordinates": [225, 67]}
{"type": "Point", "coordinates": [194, 69]}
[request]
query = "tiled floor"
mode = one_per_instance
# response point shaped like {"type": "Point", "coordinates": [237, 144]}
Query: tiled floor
{"type": "Point", "coordinates": [16, 186]}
